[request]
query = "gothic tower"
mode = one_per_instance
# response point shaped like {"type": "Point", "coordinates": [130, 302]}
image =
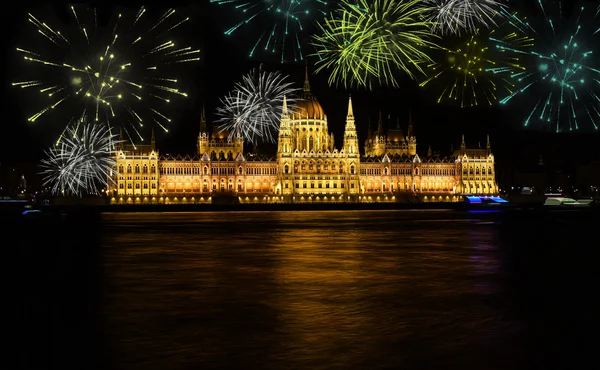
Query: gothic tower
{"type": "Point", "coordinates": [352, 155]}
{"type": "Point", "coordinates": [203, 144]}
{"type": "Point", "coordinates": [411, 138]}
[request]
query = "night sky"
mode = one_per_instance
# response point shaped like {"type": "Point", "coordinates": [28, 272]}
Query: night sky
{"type": "Point", "coordinates": [225, 59]}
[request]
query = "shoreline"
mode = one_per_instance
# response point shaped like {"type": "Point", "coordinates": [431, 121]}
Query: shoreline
{"type": "Point", "coordinates": [298, 207]}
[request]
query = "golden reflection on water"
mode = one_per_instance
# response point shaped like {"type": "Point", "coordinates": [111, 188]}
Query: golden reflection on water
{"type": "Point", "coordinates": [299, 290]}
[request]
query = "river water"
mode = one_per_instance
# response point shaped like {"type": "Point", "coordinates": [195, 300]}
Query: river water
{"type": "Point", "coordinates": [308, 290]}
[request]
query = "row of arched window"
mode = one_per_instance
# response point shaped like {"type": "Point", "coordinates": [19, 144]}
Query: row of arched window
{"type": "Point", "coordinates": [318, 167]}
{"type": "Point", "coordinates": [477, 171]}
{"type": "Point", "coordinates": [137, 169]}
{"type": "Point", "coordinates": [214, 170]}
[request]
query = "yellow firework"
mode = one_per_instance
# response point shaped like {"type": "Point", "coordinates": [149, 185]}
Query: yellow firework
{"type": "Point", "coordinates": [121, 73]}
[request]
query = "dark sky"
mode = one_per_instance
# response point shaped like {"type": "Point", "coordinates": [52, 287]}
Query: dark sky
{"type": "Point", "coordinates": [225, 59]}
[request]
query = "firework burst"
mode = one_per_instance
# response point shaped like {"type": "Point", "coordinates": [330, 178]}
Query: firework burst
{"type": "Point", "coordinates": [83, 162]}
{"type": "Point", "coordinates": [477, 72]}
{"type": "Point", "coordinates": [253, 109]}
{"type": "Point", "coordinates": [283, 24]}
{"type": "Point", "coordinates": [368, 41]}
{"type": "Point", "coordinates": [464, 16]}
{"type": "Point", "coordinates": [561, 83]}
{"type": "Point", "coordinates": [121, 73]}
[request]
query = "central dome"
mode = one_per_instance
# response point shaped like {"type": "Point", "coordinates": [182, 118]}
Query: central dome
{"type": "Point", "coordinates": [308, 107]}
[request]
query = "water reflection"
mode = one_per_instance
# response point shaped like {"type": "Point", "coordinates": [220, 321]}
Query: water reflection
{"type": "Point", "coordinates": [300, 290]}
{"type": "Point", "coordinates": [316, 290]}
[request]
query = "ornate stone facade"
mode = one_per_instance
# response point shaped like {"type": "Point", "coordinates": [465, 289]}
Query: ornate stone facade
{"type": "Point", "coordinates": [307, 167]}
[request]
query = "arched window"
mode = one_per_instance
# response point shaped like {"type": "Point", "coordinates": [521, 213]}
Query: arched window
{"type": "Point", "coordinates": [240, 170]}
{"type": "Point", "coordinates": [137, 168]}
{"type": "Point", "coordinates": [310, 166]}
{"type": "Point", "coordinates": [145, 169]}
{"type": "Point", "coordinates": [286, 169]}
{"type": "Point", "coordinates": [352, 170]}
{"type": "Point", "coordinates": [205, 170]}
{"type": "Point", "coordinates": [120, 168]}
{"type": "Point", "coordinates": [230, 156]}
{"type": "Point", "coordinates": [310, 143]}
{"type": "Point", "coordinates": [128, 168]}
{"type": "Point", "coordinates": [385, 171]}
{"type": "Point", "coordinates": [153, 169]}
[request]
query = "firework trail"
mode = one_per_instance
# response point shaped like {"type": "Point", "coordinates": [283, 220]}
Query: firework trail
{"type": "Point", "coordinates": [253, 109]}
{"type": "Point", "coordinates": [561, 84]}
{"type": "Point", "coordinates": [283, 24]}
{"type": "Point", "coordinates": [477, 72]}
{"type": "Point", "coordinates": [464, 16]}
{"type": "Point", "coordinates": [83, 162]}
{"type": "Point", "coordinates": [368, 41]}
{"type": "Point", "coordinates": [121, 73]}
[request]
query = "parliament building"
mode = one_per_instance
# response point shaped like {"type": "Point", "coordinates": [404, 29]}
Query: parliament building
{"type": "Point", "coordinates": [308, 167]}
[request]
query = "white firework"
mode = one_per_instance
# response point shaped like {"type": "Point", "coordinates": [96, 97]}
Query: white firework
{"type": "Point", "coordinates": [464, 16]}
{"type": "Point", "coordinates": [83, 162]}
{"type": "Point", "coordinates": [253, 109]}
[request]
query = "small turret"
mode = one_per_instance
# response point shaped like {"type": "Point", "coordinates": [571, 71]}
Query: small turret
{"type": "Point", "coordinates": [380, 126]}
{"type": "Point", "coordinates": [202, 121]}
{"type": "Point", "coordinates": [121, 140]}
{"type": "Point", "coordinates": [331, 142]}
{"type": "Point", "coordinates": [410, 132]}
{"type": "Point", "coordinates": [429, 153]}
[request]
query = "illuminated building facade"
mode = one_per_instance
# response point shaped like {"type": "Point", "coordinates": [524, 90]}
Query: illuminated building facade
{"type": "Point", "coordinates": [307, 167]}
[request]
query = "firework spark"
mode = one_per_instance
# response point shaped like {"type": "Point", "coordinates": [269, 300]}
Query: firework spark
{"type": "Point", "coordinates": [478, 73]}
{"type": "Point", "coordinates": [464, 16]}
{"type": "Point", "coordinates": [563, 77]}
{"type": "Point", "coordinates": [253, 109]}
{"type": "Point", "coordinates": [121, 73]}
{"type": "Point", "coordinates": [287, 22]}
{"type": "Point", "coordinates": [368, 41]}
{"type": "Point", "coordinates": [83, 162]}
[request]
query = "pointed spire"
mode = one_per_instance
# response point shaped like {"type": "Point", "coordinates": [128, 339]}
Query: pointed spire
{"type": "Point", "coordinates": [489, 145]}
{"type": "Point", "coordinates": [397, 123]}
{"type": "Point", "coordinates": [202, 120]}
{"type": "Point", "coordinates": [350, 110]}
{"type": "Point", "coordinates": [307, 94]}
{"type": "Point", "coordinates": [410, 132]}
{"type": "Point", "coordinates": [284, 110]}
{"type": "Point", "coordinates": [462, 143]}
{"type": "Point", "coordinates": [429, 151]}
{"type": "Point", "coordinates": [121, 141]}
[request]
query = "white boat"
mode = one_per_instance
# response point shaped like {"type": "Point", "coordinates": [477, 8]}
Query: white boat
{"type": "Point", "coordinates": [567, 202]}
